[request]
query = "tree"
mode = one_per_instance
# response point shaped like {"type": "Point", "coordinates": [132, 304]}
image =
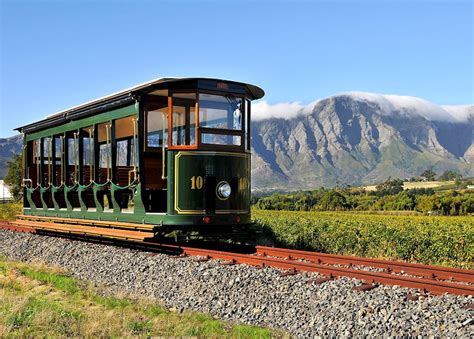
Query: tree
{"type": "Point", "coordinates": [450, 175]}
{"type": "Point", "coordinates": [390, 187]}
{"type": "Point", "coordinates": [429, 175]}
{"type": "Point", "coordinates": [333, 201]}
{"type": "Point", "coordinates": [14, 177]}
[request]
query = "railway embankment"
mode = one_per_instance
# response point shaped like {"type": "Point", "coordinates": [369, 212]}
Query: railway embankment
{"type": "Point", "coordinates": [248, 295]}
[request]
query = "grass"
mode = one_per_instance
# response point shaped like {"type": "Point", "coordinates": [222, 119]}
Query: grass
{"type": "Point", "coordinates": [39, 301]}
{"type": "Point", "coordinates": [10, 210]}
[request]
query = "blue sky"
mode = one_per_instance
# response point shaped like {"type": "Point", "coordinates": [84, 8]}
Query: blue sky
{"type": "Point", "coordinates": [56, 54]}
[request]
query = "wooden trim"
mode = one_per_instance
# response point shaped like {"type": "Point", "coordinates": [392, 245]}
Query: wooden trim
{"type": "Point", "coordinates": [170, 119]}
{"type": "Point", "coordinates": [54, 178]}
{"type": "Point", "coordinates": [113, 152]}
{"type": "Point", "coordinates": [196, 109]}
{"type": "Point", "coordinates": [96, 152]}
{"type": "Point", "coordinates": [41, 181]}
{"type": "Point", "coordinates": [249, 138]}
{"type": "Point", "coordinates": [183, 147]}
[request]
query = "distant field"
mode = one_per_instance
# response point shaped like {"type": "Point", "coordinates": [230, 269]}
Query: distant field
{"type": "Point", "coordinates": [425, 239]}
{"type": "Point", "coordinates": [38, 301]}
{"type": "Point", "coordinates": [422, 184]}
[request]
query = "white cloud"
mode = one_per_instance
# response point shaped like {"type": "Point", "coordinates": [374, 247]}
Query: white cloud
{"type": "Point", "coordinates": [285, 110]}
{"type": "Point", "coordinates": [460, 112]}
{"type": "Point", "coordinates": [388, 103]}
{"type": "Point", "coordinates": [408, 105]}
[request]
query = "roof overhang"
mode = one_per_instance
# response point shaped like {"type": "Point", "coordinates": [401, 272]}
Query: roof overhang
{"type": "Point", "coordinates": [131, 95]}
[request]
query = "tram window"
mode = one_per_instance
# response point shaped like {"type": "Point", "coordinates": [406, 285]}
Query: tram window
{"type": "Point", "coordinates": [37, 159]}
{"type": "Point", "coordinates": [87, 146]}
{"type": "Point", "coordinates": [72, 146]}
{"type": "Point", "coordinates": [105, 155]}
{"type": "Point", "coordinates": [157, 127]}
{"type": "Point", "coordinates": [126, 149]}
{"type": "Point", "coordinates": [247, 124]}
{"type": "Point", "coordinates": [87, 154]}
{"type": "Point", "coordinates": [220, 139]}
{"type": "Point", "coordinates": [222, 112]}
{"type": "Point", "coordinates": [184, 119]}
{"type": "Point", "coordinates": [47, 150]}
{"type": "Point", "coordinates": [71, 149]}
{"type": "Point", "coordinates": [57, 175]}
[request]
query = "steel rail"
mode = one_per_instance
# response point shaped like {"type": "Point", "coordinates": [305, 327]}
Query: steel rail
{"type": "Point", "coordinates": [428, 271]}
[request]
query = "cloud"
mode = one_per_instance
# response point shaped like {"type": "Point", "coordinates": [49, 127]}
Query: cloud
{"type": "Point", "coordinates": [388, 103]}
{"type": "Point", "coordinates": [460, 112]}
{"type": "Point", "coordinates": [285, 110]}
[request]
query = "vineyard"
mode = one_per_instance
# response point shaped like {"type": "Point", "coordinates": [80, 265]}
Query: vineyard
{"type": "Point", "coordinates": [436, 240]}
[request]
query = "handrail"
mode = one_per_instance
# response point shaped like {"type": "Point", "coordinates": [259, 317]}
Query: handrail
{"type": "Point", "coordinates": [91, 157]}
{"type": "Point", "coordinates": [134, 153]}
{"type": "Point", "coordinates": [38, 161]}
{"type": "Point", "coordinates": [61, 145]}
{"type": "Point", "coordinates": [49, 160]}
{"type": "Point", "coordinates": [23, 166]}
{"type": "Point", "coordinates": [75, 159]}
{"type": "Point", "coordinates": [163, 148]}
{"type": "Point", "coordinates": [107, 150]}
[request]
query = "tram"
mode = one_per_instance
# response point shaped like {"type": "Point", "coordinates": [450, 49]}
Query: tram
{"type": "Point", "coordinates": [170, 154]}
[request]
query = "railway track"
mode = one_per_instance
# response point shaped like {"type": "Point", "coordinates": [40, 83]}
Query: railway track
{"type": "Point", "coordinates": [433, 279]}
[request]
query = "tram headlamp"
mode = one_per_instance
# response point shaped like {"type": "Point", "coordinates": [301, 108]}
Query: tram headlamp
{"type": "Point", "coordinates": [223, 190]}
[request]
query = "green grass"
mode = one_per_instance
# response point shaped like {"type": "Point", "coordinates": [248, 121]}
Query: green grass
{"type": "Point", "coordinates": [39, 301]}
{"type": "Point", "coordinates": [9, 211]}
{"type": "Point", "coordinates": [434, 240]}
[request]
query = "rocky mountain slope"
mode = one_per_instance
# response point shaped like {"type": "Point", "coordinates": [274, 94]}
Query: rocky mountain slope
{"type": "Point", "coordinates": [8, 147]}
{"type": "Point", "coordinates": [360, 138]}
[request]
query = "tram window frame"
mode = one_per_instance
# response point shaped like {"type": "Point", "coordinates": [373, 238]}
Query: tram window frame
{"type": "Point", "coordinates": [149, 108]}
{"type": "Point", "coordinates": [224, 131]}
{"type": "Point", "coordinates": [187, 125]}
{"type": "Point", "coordinates": [205, 130]}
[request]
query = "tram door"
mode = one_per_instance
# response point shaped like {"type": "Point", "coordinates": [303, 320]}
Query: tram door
{"type": "Point", "coordinates": [154, 156]}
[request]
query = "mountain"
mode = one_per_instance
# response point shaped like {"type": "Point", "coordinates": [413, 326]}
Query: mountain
{"type": "Point", "coordinates": [8, 147]}
{"type": "Point", "coordinates": [358, 138]}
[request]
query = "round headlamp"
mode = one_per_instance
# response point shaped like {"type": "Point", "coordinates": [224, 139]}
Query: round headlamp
{"type": "Point", "coordinates": [223, 190]}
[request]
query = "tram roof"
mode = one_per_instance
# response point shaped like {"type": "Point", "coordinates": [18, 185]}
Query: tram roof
{"type": "Point", "coordinates": [129, 95]}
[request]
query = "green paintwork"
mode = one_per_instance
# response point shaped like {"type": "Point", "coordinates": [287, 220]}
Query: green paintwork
{"type": "Point", "coordinates": [86, 122]}
{"type": "Point", "coordinates": [233, 167]}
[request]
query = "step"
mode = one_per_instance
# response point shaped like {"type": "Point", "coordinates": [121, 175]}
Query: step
{"type": "Point", "coordinates": [98, 223]}
{"type": "Point", "coordinates": [86, 230]}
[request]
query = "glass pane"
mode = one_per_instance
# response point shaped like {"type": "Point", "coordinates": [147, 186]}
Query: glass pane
{"type": "Point", "coordinates": [71, 151]}
{"type": "Point", "coordinates": [224, 112]}
{"type": "Point", "coordinates": [104, 156]}
{"type": "Point", "coordinates": [122, 153]}
{"type": "Point", "coordinates": [47, 150]}
{"type": "Point", "coordinates": [87, 146]}
{"type": "Point", "coordinates": [156, 120]}
{"type": "Point", "coordinates": [57, 146]}
{"type": "Point", "coordinates": [219, 139]}
{"type": "Point", "coordinates": [184, 119]}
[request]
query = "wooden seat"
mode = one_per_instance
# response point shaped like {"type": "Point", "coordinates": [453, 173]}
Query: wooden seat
{"type": "Point", "coordinates": [86, 230]}
{"type": "Point", "coordinates": [97, 223]}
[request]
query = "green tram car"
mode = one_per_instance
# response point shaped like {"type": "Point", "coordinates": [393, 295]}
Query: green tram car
{"type": "Point", "coordinates": [173, 153]}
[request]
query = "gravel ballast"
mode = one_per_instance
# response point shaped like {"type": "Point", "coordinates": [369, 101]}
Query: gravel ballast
{"type": "Point", "coordinates": [248, 295]}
